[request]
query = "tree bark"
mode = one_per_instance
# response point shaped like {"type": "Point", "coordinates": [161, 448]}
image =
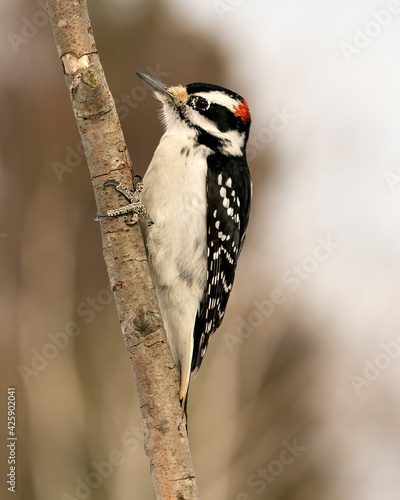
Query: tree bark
{"type": "Point", "coordinates": [156, 376]}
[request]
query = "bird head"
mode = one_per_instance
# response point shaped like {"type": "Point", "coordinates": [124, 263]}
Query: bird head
{"type": "Point", "coordinates": [219, 117]}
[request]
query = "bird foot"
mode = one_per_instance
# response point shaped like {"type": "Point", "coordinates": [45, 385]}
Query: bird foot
{"type": "Point", "coordinates": [135, 207]}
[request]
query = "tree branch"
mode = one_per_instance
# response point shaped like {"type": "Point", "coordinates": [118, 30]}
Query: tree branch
{"type": "Point", "coordinates": [157, 378]}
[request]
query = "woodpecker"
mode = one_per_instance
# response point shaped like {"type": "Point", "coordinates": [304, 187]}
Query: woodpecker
{"type": "Point", "coordinates": [195, 198]}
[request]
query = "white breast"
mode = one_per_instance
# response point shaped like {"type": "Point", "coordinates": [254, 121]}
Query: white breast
{"type": "Point", "coordinates": [174, 194]}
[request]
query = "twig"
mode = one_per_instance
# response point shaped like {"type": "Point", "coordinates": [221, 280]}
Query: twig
{"type": "Point", "coordinates": [157, 378]}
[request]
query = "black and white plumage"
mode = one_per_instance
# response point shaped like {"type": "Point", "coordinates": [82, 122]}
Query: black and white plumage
{"type": "Point", "coordinates": [227, 218]}
{"type": "Point", "coordinates": [197, 191]}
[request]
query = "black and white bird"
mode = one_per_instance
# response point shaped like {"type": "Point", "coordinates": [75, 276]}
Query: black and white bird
{"type": "Point", "coordinates": [197, 192]}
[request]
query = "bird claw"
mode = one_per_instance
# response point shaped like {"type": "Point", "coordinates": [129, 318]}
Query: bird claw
{"type": "Point", "coordinates": [135, 207]}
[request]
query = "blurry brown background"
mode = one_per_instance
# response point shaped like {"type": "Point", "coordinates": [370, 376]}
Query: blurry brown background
{"type": "Point", "coordinates": [298, 397]}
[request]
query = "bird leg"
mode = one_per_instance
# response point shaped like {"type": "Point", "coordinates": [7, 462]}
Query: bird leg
{"type": "Point", "coordinates": [135, 207]}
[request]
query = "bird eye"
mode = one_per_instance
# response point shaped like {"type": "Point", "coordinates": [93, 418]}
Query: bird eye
{"type": "Point", "coordinates": [200, 103]}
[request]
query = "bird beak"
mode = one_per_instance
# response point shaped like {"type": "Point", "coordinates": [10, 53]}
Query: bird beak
{"type": "Point", "coordinates": [165, 93]}
{"type": "Point", "coordinates": [157, 86]}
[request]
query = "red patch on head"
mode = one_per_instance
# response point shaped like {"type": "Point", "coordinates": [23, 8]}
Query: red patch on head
{"type": "Point", "coordinates": [243, 111]}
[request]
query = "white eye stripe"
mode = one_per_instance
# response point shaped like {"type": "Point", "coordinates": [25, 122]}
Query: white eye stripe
{"type": "Point", "coordinates": [219, 98]}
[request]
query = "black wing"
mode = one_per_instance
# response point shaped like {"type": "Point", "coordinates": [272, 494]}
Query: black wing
{"type": "Point", "coordinates": [228, 208]}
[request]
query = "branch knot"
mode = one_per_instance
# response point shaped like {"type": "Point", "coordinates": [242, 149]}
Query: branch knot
{"type": "Point", "coordinates": [90, 78]}
{"type": "Point", "coordinates": [144, 322]}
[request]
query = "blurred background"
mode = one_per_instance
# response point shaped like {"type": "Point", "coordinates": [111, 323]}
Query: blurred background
{"type": "Point", "coordinates": [298, 397]}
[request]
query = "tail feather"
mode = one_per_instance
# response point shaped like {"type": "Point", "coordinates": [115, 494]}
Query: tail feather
{"type": "Point", "coordinates": [184, 403]}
